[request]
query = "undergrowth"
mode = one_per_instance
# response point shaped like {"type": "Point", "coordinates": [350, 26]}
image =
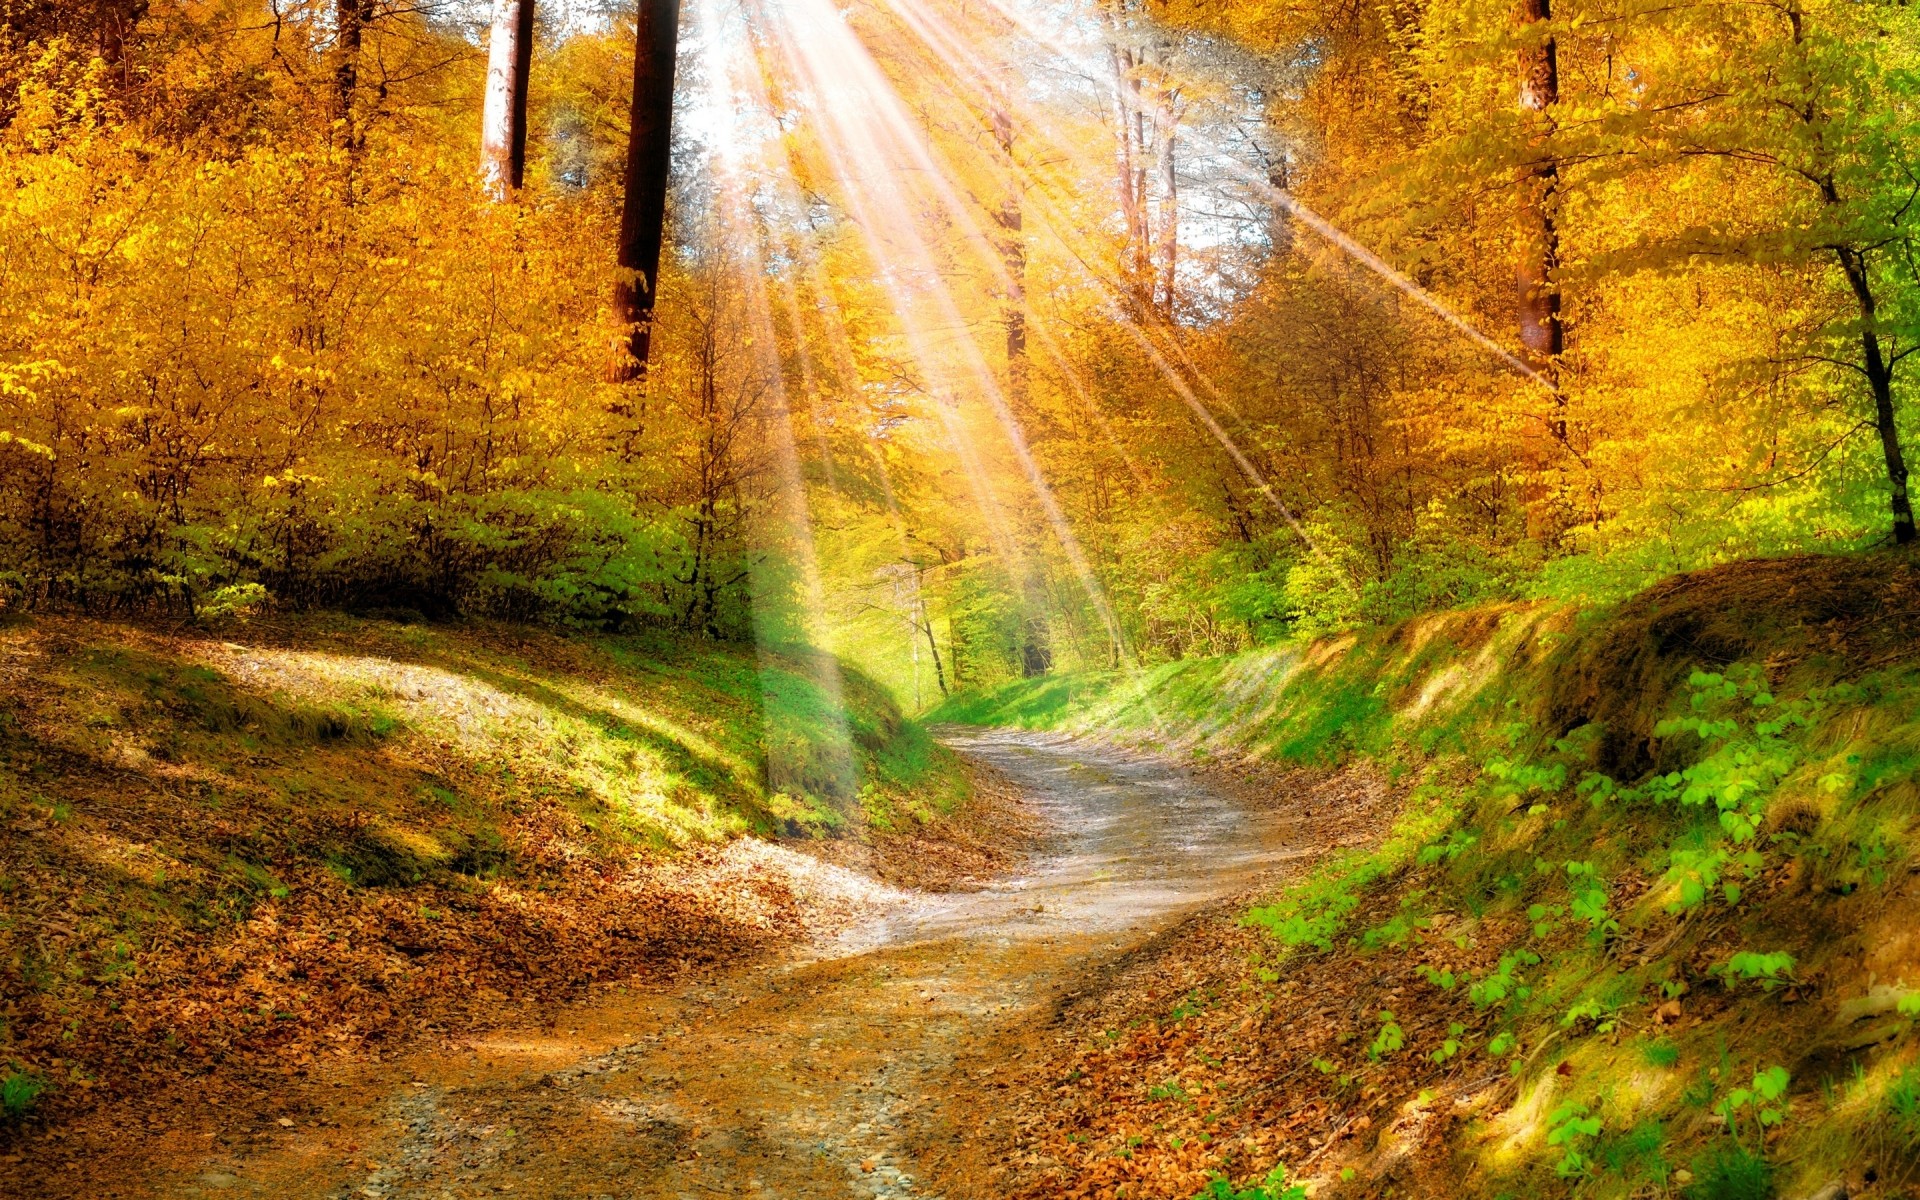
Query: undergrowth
{"type": "Point", "coordinates": [1646, 856]}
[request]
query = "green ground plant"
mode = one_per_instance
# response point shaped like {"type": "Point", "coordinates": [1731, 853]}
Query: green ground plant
{"type": "Point", "coordinates": [1901, 1104]}
{"type": "Point", "coordinates": [1273, 1187]}
{"type": "Point", "coordinates": [1730, 1171]}
{"type": "Point", "coordinates": [1615, 808]}
{"type": "Point", "coordinates": [19, 1092]}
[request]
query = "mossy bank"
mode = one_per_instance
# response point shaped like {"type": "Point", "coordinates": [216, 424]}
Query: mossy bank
{"type": "Point", "coordinates": [228, 855]}
{"type": "Point", "coordinates": [1643, 924]}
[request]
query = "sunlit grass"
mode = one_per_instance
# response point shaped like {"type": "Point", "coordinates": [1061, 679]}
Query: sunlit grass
{"type": "Point", "coordinates": [644, 740]}
{"type": "Point", "coordinates": [1634, 1014]}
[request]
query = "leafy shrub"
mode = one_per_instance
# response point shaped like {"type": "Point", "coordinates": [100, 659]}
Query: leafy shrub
{"type": "Point", "coordinates": [1390, 1038]}
{"type": "Point", "coordinates": [1751, 744]}
{"type": "Point", "coordinates": [1504, 980]}
{"type": "Point", "coordinates": [1765, 969]}
{"type": "Point", "coordinates": [1763, 1097]}
{"type": "Point", "coordinates": [1170, 1090]}
{"type": "Point", "coordinates": [1451, 1044]}
{"type": "Point", "coordinates": [1572, 1128]}
{"type": "Point", "coordinates": [1310, 914]}
{"type": "Point", "coordinates": [234, 600]}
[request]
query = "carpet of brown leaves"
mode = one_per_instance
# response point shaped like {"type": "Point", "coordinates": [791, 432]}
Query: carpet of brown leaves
{"type": "Point", "coordinates": [1170, 1065]}
{"type": "Point", "coordinates": [169, 925]}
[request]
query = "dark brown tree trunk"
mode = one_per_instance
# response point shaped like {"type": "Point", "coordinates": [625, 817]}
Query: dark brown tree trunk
{"type": "Point", "coordinates": [1036, 647]}
{"type": "Point", "coordinates": [933, 645]}
{"type": "Point", "coordinates": [503, 128]}
{"type": "Point", "coordinates": [349, 25]}
{"type": "Point", "coordinates": [1541, 333]}
{"type": "Point", "coordinates": [1880, 381]}
{"type": "Point", "coordinates": [106, 25]}
{"type": "Point", "coordinates": [117, 21]}
{"type": "Point", "coordinates": [649, 159]}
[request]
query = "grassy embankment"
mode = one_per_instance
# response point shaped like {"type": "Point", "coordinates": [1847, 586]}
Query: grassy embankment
{"type": "Point", "coordinates": [1645, 923]}
{"type": "Point", "coordinates": [222, 856]}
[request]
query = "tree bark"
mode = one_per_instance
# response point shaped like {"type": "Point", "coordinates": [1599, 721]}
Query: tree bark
{"type": "Point", "coordinates": [649, 160]}
{"type": "Point", "coordinates": [1036, 634]}
{"type": "Point", "coordinates": [1170, 208]}
{"type": "Point", "coordinates": [1541, 332]}
{"type": "Point", "coordinates": [1880, 381]}
{"type": "Point", "coordinates": [350, 19]}
{"type": "Point", "coordinates": [503, 122]}
{"type": "Point", "coordinates": [1135, 254]}
{"type": "Point", "coordinates": [117, 20]}
{"type": "Point", "coordinates": [1036, 646]}
{"type": "Point", "coordinates": [1013, 253]}
{"type": "Point", "coordinates": [926, 626]}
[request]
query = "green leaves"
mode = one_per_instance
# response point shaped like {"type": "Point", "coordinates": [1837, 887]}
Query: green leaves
{"type": "Point", "coordinates": [1769, 969]}
{"type": "Point", "coordinates": [1764, 1098]}
{"type": "Point", "coordinates": [19, 1091]}
{"type": "Point", "coordinates": [1504, 981]}
{"type": "Point", "coordinates": [1389, 1039]}
{"type": "Point", "coordinates": [1273, 1187]}
{"type": "Point", "coordinates": [1572, 1128]}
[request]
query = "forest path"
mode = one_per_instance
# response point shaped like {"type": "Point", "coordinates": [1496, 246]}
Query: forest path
{"type": "Point", "coordinates": [815, 1076]}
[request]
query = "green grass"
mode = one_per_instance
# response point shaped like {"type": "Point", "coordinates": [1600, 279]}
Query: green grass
{"type": "Point", "coordinates": [1045, 702]}
{"type": "Point", "coordinates": [162, 790]}
{"type": "Point", "coordinates": [19, 1092]}
{"type": "Point", "coordinates": [650, 740]}
{"type": "Point", "coordinates": [1722, 769]}
{"type": "Point", "coordinates": [1730, 1171]}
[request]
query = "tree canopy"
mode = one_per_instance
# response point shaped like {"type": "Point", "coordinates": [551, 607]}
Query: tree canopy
{"type": "Point", "coordinates": [984, 340]}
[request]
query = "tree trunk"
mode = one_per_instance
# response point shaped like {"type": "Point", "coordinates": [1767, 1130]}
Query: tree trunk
{"type": "Point", "coordinates": [1280, 179]}
{"type": "Point", "coordinates": [117, 19]}
{"type": "Point", "coordinates": [933, 645]}
{"type": "Point", "coordinates": [503, 122]}
{"type": "Point", "coordinates": [1541, 333]}
{"type": "Point", "coordinates": [1132, 166]}
{"type": "Point", "coordinates": [1036, 647]}
{"type": "Point", "coordinates": [349, 23]}
{"type": "Point", "coordinates": [1880, 381]}
{"type": "Point", "coordinates": [649, 159]}
{"type": "Point", "coordinates": [1036, 653]}
{"type": "Point", "coordinates": [1143, 216]}
{"type": "Point", "coordinates": [1013, 254]}
{"type": "Point", "coordinates": [1170, 207]}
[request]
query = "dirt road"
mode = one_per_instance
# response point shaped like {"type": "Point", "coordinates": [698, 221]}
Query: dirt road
{"type": "Point", "coordinates": [819, 1076]}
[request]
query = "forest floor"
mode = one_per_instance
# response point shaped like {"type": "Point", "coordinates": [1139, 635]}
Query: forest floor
{"type": "Point", "coordinates": [874, 1061]}
{"type": "Point", "coordinates": [233, 861]}
{"type": "Point", "coordinates": [1462, 955]}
